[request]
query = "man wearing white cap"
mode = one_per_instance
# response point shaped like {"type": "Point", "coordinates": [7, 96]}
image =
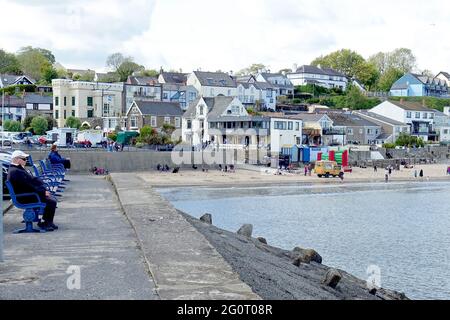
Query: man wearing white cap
{"type": "Point", "coordinates": [23, 182]}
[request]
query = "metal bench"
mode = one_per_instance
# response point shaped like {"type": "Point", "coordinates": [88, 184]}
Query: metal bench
{"type": "Point", "coordinates": [32, 211]}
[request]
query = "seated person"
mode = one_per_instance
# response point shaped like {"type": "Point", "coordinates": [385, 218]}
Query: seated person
{"type": "Point", "coordinates": [55, 158]}
{"type": "Point", "coordinates": [23, 182]}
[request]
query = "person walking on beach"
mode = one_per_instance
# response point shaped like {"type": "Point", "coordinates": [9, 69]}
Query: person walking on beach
{"type": "Point", "coordinates": [306, 170]}
{"type": "Point", "coordinates": [415, 174]}
{"type": "Point", "coordinates": [390, 170]}
{"type": "Point", "coordinates": [386, 175]}
{"type": "Point", "coordinates": [421, 174]}
{"type": "Point", "coordinates": [375, 169]}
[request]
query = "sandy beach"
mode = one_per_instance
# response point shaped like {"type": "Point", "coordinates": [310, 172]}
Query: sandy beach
{"type": "Point", "coordinates": [433, 172]}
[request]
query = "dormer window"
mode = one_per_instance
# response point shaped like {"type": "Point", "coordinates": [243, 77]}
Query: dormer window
{"type": "Point", "coordinates": [210, 81]}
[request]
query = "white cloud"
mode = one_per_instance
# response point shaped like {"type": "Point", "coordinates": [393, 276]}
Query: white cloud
{"type": "Point", "coordinates": [226, 35]}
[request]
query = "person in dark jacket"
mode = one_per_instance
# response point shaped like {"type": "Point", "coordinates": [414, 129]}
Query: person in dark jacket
{"type": "Point", "coordinates": [55, 158]}
{"type": "Point", "coordinates": [23, 182]}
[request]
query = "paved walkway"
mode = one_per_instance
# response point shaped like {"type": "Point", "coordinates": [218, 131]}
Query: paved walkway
{"type": "Point", "coordinates": [94, 235]}
{"type": "Point", "coordinates": [183, 263]}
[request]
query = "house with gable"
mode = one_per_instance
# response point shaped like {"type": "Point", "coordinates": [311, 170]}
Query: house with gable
{"type": "Point", "coordinates": [223, 122]}
{"type": "Point", "coordinates": [281, 83]}
{"type": "Point", "coordinates": [414, 85]}
{"type": "Point", "coordinates": [213, 84]}
{"type": "Point", "coordinates": [324, 77]}
{"type": "Point", "coordinates": [445, 76]}
{"type": "Point", "coordinates": [8, 80]}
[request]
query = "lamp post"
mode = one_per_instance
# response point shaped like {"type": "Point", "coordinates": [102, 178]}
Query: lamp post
{"type": "Point", "coordinates": [3, 117]}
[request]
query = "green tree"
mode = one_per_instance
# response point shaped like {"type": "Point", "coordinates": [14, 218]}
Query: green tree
{"type": "Point", "coordinates": [27, 121]}
{"type": "Point", "coordinates": [51, 123]}
{"type": "Point", "coordinates": [253, 69]}
{"type": "Point", "coordinates": [48, 74]}
{"type": "Point", "coordinates": [405, 140]}
{"type": "Point", "coordinates": [149, 73]}
{"type": "Point", "coordinates": [6, 125]}
{"type": "Point", "coordinates": [34, 61]}
{"type": "Point", "coordinates": [39, 125]}
{"type": "Point", "coordinates": [73, 122]}
{"type": "Point", "coordinates": [355, 99]}
{"type": "Point", "coordinates": [9, 63]}
{"type": "Point", "coordinates": [401, 59]}
{"type": "Point", "coordinates": [388, 79]}
{"type": "Point", "coordinates": [126, 69]}
{"type": "Point", "coordinates": [15, 126]}
{"type": "Point", "coordinates": [350, 63]}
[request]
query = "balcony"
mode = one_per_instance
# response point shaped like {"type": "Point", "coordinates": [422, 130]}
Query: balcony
{"type": "Point", "coordinates": [333, 132]}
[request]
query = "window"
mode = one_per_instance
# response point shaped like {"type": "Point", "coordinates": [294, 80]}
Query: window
{"type": "Point", "coordinates": [65, 101]}
{"type": "Point", "coordinates": [229, 93]}
{"type": "Point", "coordinates": [153, 122]}
{"type": "Point", "coordinates": [297, 126]}
{"type": "Point", "coordinates": [290, 125]}
{"type": "Point", "coordinates": [90, 113]}
{"type": "Point", "coordinates": [167, 120]}
{"type": "Point", "coordinates": [133, 122]}
{"type": "Point", "coordinates": [165, 96]}
{"type": "Point", "coordinates": [202, 109]}
{"type": "Point", "coordinates": [425, 115]}
{"type": "Point", "coordinates": [409, 115]}
{"type": "Point", "coordinates": [57, 101]}
{"type": "Point", "coordinates": [65, 114]}
{"type": "Point", "coordinates": [189, 124]}
{"type": "Point", "coordinates": [280, 125]}
{"type": "Point", "coordinates": [212, 92]}
{"type": "Point", "coordinates": [369, 131]}
{"type": "Point", "coordinates": [56, 114]}
{"type": "Point", "coordinates": [177, 122]}
{"type": "Point", "coordinates": [431, 115]}
{"type": "Point", "coordinates": [90, 101]}
{"type": "Point", "coordinates": [106, 109]}
{"type": "Point", "coordinates": [361, 131]}
{"type": "Point", "coordinates": [445, 131]}
{"type": "Point", "coordinates": [73, 101]}
{"type": "Point", "coordinates": [350, 131]}
{"type": "Point", "coordinates": [417, 115]}
{"type": "Point", "coordinates": [73, 113]}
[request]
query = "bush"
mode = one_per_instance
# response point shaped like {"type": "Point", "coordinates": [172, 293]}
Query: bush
{"type": "Point", "coordinates": [409, 141]}
{"type": "Point", "coordinates": [39, 125]}
{"type": "Point", "coordinates": [139, 145]}
{"type": "Point", "coordinates": [73, 122]}
{"type": "Point", "coordinates": [389, 145]}
{"type": "Point", "coordinates": [15, 126]}
{"type": "Point", "coordinates": [112, 136]}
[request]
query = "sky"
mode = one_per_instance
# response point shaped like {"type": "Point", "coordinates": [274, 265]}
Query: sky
{"type": "Point", "coordinates": [228, 35]}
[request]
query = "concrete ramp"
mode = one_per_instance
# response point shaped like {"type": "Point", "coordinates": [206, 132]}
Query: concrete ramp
{"type": "Point", "coordinates": [184, 265]}
{"type": "Point", "coordinates": [376, 155]}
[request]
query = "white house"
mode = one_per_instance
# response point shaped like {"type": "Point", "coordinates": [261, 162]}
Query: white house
{"type": "Point", "coordinates": [88, 100]}
{"type": "Point", "coordinates": [281, 83]}
{"type": "Point", "coordinates": [284, 133]}
{"type": "Point", "coordinates": [223, 122]}
{"type": "Point", "coordinates": [252, 92]}
{"type": "Point", "coordinates": [213, 84]}
{"type": "Point", "coordinates": [324, 77]}
{"type": "Point", "coordinates": [184, 95]}
{"type": "Point", "coordinates": [419, 118]}
{"type": "Point", "coordinates": [445, 76]}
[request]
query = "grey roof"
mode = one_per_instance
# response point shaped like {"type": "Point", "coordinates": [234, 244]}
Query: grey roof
{"type": "Point", "coordinates": [399, 86]}
{"type": "Point", "coordinates": [216, 106]}
{"type": "Point", "coordinates": [445, 74]}
{"type": "Point", "coordinates": [234, 118]}
{"type": "Point", "coordinates": [155, 108]}
{"type": "Point", "coordinates": [317, 70]}
{"type": "Point", "coordinates": [10, 80]}
{"type": "Point", "coordinates": [384, 136]}
{"type": "Point", "coordinates": [174, 77]}
{"type": "Point", "coordinates": [37, 98]}
{"type": "Point", "coordinates": [410, 106]}
{"type": "Point", "coordinates": [267, 76]}
{"type": "Point", "coordinates": [177, 87]}
{"type": "Point", "coordinates": [380, 118]}
{"type": "Point", "coordinates": [142, 80]}
{"type": "Point", "coordinates": [264, 85]}
{"type": "Point", "coordinates": [350, 120]}
{"type": "Point", "coordinates": [14, 101]}
{"type": "Point", "coordinates": [427, 80]}
{"type": "Point", "coordinates": [246, 78]}
{"type": "Point", "coordinates": [309, 117]}
{"type": "Point", "coordinates": [215, 79]}
{"type": "Point", "coordinates": [439, 113]}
